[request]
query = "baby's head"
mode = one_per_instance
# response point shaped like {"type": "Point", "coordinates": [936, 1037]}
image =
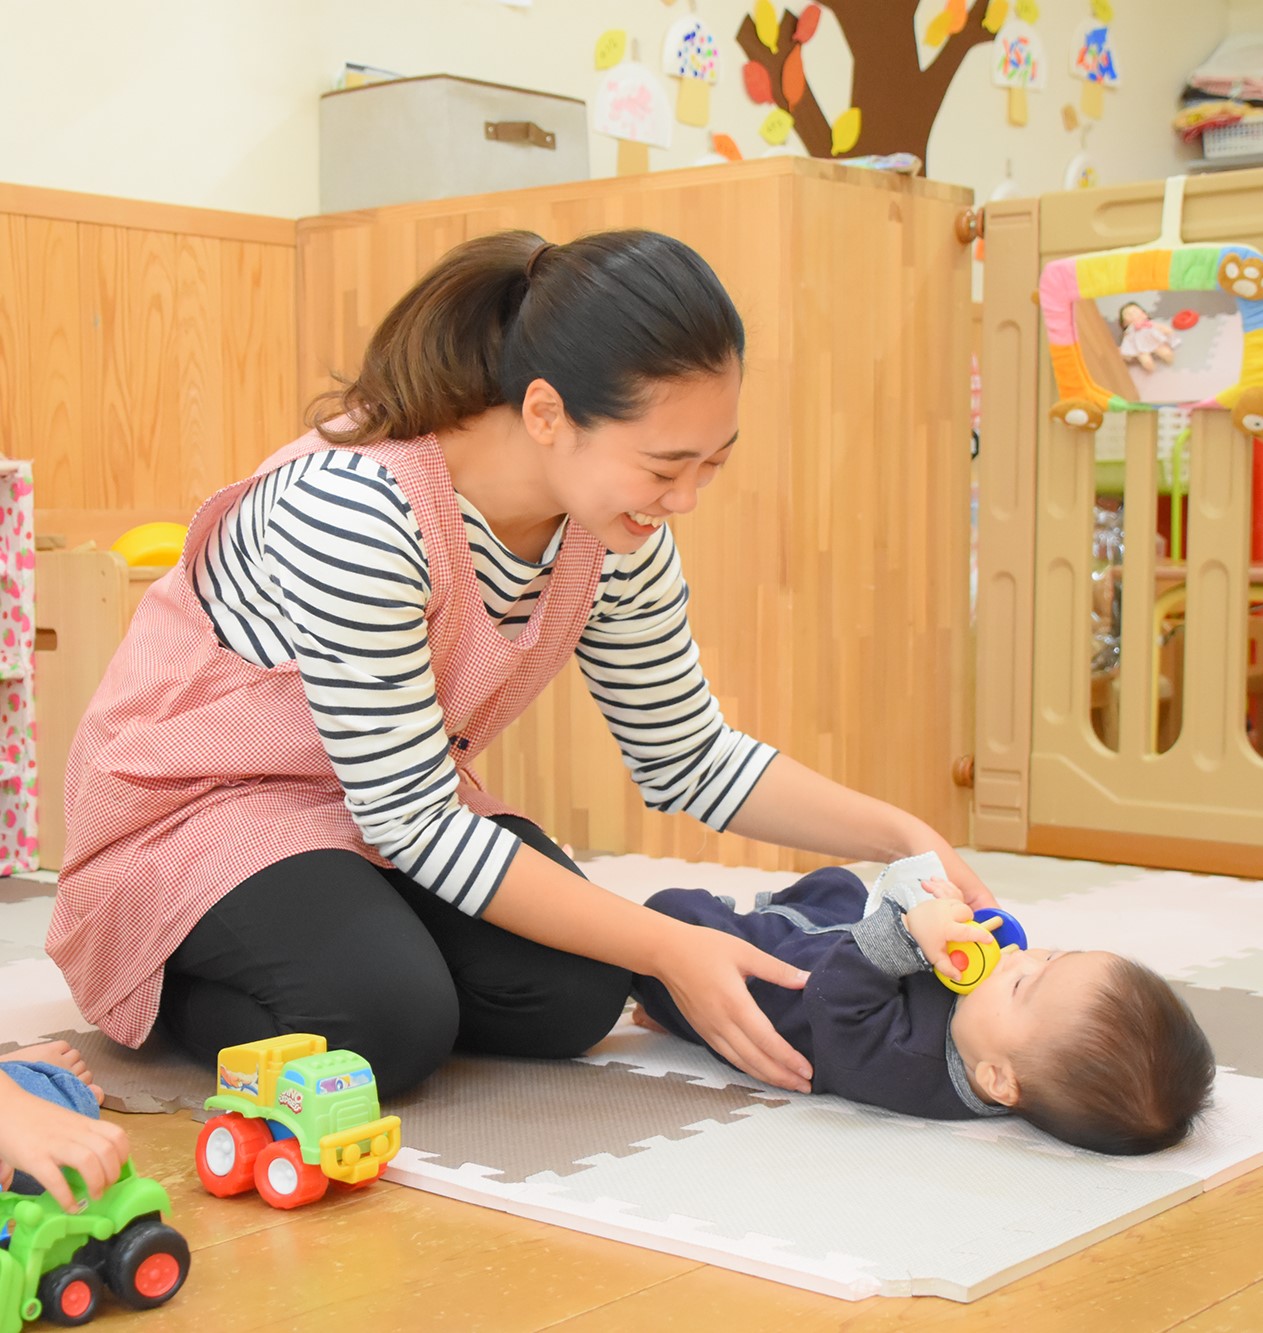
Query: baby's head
{"type": "Point", "coordinates": [1089, 1047]}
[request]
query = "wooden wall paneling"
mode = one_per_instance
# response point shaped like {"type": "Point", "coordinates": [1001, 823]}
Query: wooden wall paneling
{"type": "Point", "coordinates": [54, 335]}
{"type": "Point", "coordinates": [153, 368]}
{"type": "Point", "coordinates": [202, 449]}
{"type": "Point", "coordinates": [106, 449]}
{"type": "Point", "coordinates": [15, 362]}
{"type": "Point", "coordinates": [259, 394]}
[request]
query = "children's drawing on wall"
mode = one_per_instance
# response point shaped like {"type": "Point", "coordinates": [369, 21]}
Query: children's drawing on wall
{"type": "Point", "coordinates": [1162, 347]}
{"type": "Point", "coordinates": [631, 106]}
{"type": "Point", "coordinates": [797, 63]}
{"type": "Point", "coordinates": [690, 55]}
{"type": "Point", "coordinates": [1093, 60]}
{"type": "Point", "coordinates": [1018, 63]}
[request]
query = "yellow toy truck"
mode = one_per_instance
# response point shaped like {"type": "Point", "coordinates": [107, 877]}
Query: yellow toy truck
{"type": "Point", "coordinates": [295, 1116]}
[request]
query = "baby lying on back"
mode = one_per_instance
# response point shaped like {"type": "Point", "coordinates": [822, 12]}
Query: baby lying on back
{"type": "Point", "coordinates": [1090, 1047]}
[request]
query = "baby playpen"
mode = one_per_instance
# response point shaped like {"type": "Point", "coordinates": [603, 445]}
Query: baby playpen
{"type": "Point", "coordinates": [1120, 634]}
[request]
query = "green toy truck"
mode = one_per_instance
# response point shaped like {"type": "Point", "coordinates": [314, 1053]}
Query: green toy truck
{"type": "Point", "coordinates": [53, 1263]}
{"type": "Point", "coordinates": [296, 1116]}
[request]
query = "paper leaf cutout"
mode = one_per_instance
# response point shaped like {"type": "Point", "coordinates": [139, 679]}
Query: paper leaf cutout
{"type": "Point", "coordinates": [793, 80]}
{"type": "Point", "coordinates": [1027, 11]}
{"type": "Point", "coordinates": [1102, 11]}
{"type": "Point", "coordinates": [690, 51]}
{"type": "Point", "coordinates": [997, 12]}
{"type": "Point", "coordinates": [777, 125]}
{"type": "Point", "coordinates": [611, 47]}
{"type": "Point", "coordinates": [808, 22]}
{"type": "Point", "coordinates": [846, 131]}
{"type": "Point", "coordinates": [632, 104]}
{"type": "Point", "coordinates": [758, 84]}
{"type": "Point", "coordinates": [1018, 58]}
{"type": "Point", "coordinates": [767, 26]}
{"type": "Point", "coordinates": [725, 146]}
{"type": "Point", "coordinates": [948, 23]}
{"type": "Point", "coordinates": [936, 33]}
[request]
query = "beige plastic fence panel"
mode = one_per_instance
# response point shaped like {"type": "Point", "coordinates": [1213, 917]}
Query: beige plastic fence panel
{"type": "Point", "coordinates": [1006, 522]}
{"type": "Point", "coordinates": [1200, 803]}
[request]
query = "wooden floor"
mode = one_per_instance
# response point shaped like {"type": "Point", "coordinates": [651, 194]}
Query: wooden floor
{"type": "Point", "coordinates": [391, 1258]}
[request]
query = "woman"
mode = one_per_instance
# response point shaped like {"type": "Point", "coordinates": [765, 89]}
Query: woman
{"type": "Point", "coordinates": [272, 821]}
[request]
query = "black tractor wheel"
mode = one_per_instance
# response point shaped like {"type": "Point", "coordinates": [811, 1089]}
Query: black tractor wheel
{"type": "Point", "coordinates": [147, 1264]}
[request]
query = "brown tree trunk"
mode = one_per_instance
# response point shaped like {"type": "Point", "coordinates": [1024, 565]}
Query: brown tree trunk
{"type": "Point", "coordinates": [898, 100]}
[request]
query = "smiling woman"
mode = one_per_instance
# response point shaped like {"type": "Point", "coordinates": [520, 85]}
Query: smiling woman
{"type": "Point", "coordinates": [273, 820]}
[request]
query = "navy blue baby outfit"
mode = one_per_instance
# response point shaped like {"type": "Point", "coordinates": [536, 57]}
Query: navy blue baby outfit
{"type": "Point", "coordinates": [873, 1019]}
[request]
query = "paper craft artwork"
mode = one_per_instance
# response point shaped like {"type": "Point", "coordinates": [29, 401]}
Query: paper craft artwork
{"type": "Point", "coordinates": [690, 53]}
{"type": "Point", "coordinates": [611, 47]}
{"type": "Point", "coordinates": [846, 131]}
{"type": "Point", "coordinates": [1094, 62]}
{"type": "Point", "coordinates": [632, 105]}
{"type": "Point", "coordinates": [1018, 64]}
{"type": "Point", "coordinates": [776, 127]}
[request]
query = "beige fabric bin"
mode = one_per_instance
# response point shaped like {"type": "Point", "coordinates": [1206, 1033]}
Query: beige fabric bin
{"type": "Point", "coordinates": [437, 136]}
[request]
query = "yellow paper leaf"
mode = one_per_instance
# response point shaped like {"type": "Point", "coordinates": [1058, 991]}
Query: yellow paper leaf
{"type": "Point", "coordinates": [846, 131]}
{"type": "Point", "coordinates": [776, 127]}
{"type": "Point", "coordinates": [766, 24]}
{"type": "Point", "coordinates": [1102, 11]}
{"type": "Point", "coordinates": [936, 33]}
{"type": "Point", "coordinates": [1027, 11]}
{"type": "Point", "coordinates": [611, 47]}
{"type": "Point", "coordinates": [997, 12]}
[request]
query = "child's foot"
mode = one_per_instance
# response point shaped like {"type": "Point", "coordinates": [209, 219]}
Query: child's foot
{"type": "Point", "coordinates": [60, 1053]}
{"type": "Point", "coordinates": [642, 1020]}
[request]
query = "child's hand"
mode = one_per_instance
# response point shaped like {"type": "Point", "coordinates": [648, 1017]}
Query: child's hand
{"type": "Point", "coordinates": [933, 924]}
{"type": "Point", "coordinates": [941, 888]}
{"type": "Point", "coordinates": [40, 1138]}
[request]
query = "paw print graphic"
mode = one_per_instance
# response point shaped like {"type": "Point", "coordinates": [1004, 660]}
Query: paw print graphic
{"type": "Point", "coordinates": [1242, 275]}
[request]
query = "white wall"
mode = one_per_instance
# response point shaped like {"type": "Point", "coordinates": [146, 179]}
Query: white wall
{"type": "Point", "coordinates": [213, 103]}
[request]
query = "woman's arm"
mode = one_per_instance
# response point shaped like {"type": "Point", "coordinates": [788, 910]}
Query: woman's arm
{"type": "Point", "coordinates": [705, 970]}
{"type": "Point", "coordinates": [793, 806]}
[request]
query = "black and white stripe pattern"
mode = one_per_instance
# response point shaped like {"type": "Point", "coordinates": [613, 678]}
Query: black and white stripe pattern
{"type": "Point", "coordinates": [321, 562]}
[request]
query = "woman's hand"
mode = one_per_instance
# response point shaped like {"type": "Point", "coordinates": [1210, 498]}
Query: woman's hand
{"type": "Point", "coordinates": [972, 889]}
{"type": "Point", "coordinates": [705, 970]}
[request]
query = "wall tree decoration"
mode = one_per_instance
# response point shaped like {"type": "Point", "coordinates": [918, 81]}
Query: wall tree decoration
{"type": "Point", "coordinates": [896, 99]}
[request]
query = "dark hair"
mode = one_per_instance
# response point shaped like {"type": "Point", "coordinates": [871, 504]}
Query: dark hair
{"type": "Point", "coordinates": [1133, 1077]}
{"type": "Point", "coordinates": [601, 318]}
{"type": "Point", "coordinates": [1127, 305]}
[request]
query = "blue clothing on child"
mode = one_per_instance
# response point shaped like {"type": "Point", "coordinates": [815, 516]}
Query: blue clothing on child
{"type": "Point", "coordinates": [873, 1019]}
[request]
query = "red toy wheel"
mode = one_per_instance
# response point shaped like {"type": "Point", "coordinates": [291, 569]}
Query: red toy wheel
{"type": "Point", "coordinates": [147, 1264]}
{"type": "Point", "coordinates": [284, 1179]}
{"type": "Point", "coordinates": [226, 1151]}
{"type": "Point", "coordinates": [70, 1294]}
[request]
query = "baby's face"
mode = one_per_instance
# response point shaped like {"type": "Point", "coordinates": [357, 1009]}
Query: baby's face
{"type": "Point", "coordinates": [1032, 997]}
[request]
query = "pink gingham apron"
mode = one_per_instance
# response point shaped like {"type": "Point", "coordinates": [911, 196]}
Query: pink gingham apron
{"type": "Point", "coordinates": [193, 769]}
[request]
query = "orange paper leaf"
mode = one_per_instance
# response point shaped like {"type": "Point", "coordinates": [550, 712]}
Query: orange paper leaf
{"type": "Point", "coordinates": [793, 80]}
{"type": "Point", "coordinates": [725, 146]}
{"type": "Point", "coordinates": [957, 13]}
{"type": "Point", "coordinates": [758, 83]}
{"type": "Point", "coordinates": [808, 22]}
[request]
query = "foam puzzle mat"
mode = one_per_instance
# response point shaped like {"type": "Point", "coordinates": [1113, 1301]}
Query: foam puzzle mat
{"type": "Point", "coordinates": [652, 1141]}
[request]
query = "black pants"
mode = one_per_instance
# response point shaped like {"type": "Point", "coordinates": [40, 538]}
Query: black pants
{"type": "Point", "coordinates": [327, 942]}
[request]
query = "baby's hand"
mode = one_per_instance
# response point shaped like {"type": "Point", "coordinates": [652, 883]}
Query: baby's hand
{"type": "Point", "coordinates": [941, 888]}
{"type": "Point", "coordinates": [39, 1137]}
{"type": "Point", "coordinates": [933, 924]}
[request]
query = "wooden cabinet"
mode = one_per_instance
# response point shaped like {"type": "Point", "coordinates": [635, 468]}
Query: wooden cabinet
{"type": "Point", "coordinates": [829, 566]}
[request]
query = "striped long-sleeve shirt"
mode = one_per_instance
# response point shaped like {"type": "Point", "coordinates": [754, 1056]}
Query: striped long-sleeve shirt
{"type": "Point", "coordinates": [320, 561]}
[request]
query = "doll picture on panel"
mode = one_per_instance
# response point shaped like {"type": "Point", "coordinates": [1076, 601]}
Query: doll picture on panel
{"type": "Point", "coordinates": [1145, 338]}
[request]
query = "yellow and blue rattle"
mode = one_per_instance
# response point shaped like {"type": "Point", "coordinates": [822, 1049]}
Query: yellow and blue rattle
{"type": "Point", "coordinates": [976, 960]}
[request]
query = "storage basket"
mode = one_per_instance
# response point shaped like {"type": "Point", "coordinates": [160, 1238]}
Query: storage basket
{"type": "Point", "coordinates": [1244, 139]}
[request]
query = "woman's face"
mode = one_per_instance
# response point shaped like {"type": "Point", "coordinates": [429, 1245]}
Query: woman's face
{"type": "Point", "coordinates": [622, 479]}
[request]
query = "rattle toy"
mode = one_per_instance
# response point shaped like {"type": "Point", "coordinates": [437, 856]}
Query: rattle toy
{"type": "Point", "coordinates": [977, 960]}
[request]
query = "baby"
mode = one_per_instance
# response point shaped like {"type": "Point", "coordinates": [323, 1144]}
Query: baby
{"type": "Point", "coordinates": [1090, 1047]}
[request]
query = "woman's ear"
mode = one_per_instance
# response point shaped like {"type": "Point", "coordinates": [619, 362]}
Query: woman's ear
{"type": "Point", "coordinates": [998, 1082]}
{"type": "Point", "coordinates": [543, 412]}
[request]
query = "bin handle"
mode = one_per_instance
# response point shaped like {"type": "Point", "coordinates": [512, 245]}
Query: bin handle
{"type": "Point", "coordinates": [520, 131]}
